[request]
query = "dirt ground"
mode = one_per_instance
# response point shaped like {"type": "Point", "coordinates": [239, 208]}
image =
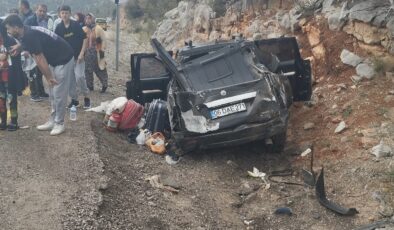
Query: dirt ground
{"type": "Point", "coordinates": [89, 178]}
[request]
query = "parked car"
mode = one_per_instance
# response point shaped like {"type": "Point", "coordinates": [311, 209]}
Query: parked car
{"type": "Point", "coordinates": [224, 93]}
{"type": "Point", "coordinates": [102, 22]}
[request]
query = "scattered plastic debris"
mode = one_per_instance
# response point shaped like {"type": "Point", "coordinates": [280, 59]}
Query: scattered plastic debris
{"type": "Point", "coordinates": [257, 174]}
{"type": "Point", "coordinates": [142, 136]}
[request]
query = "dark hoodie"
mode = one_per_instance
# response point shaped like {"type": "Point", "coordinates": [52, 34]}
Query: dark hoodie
{"type": "Point", "coordinates": [17, 80]}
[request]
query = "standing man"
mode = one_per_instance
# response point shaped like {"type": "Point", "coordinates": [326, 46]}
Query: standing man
{"type": "Point", "coordinates": [95, 61]}
{"type": "Point", "coordinates": [72, 32]}
{"type": "Point", "coordinates": [55, 58]}
{"type": "Point", "coordinates": [40, 18]}
{"type": "Point", "coordinates": [24, 10]}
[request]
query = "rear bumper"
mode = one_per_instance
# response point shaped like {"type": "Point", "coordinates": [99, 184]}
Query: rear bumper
{"type": "Point", "coordinates": [230, 137]}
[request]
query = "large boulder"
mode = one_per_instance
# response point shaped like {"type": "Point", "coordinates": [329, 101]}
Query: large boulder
{"type": "Point", "coordinates": [366, 32]}
{"type": "Point", "coordinates": [350, 58]}
{"type": "Point", "coordinates": [367, 11]}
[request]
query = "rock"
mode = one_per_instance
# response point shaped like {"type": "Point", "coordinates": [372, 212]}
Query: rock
{"type": "Point", "coordinates": [335, 22]}
{"type": "Point", "coordinates": [309, 125]}
{"type": "Point", "coordinates": [386, 211]}
{"type": "Point", "coordinates": [340, 127]}
{"type": "Point", "coordinates": [283, 211]}
{"type": "Point", "coordinates": [390, 26]}
{"type": "Point", "coordinates": [381, 150]}
{"type": "Point", "coordinates": [316, 215]}
{"type": "Point", "coordinates": [366, 33]}
{"type": "Point", "coordinates": [313, 34]}
{"type": "Point", "coordinates": [170, 181]}
{"type": "Point", "coordinates": [366, 11]}
{"type": "Point", "coordinates": [350, 58]}
{"type": "Point", "coordinates": [327, 5]}
{"type": "Point", "coordinates": [391, 92]}
{"type": "Point", "coordinates": [365, 70]}
{"type": "Point", "coordinates": [248, 188]}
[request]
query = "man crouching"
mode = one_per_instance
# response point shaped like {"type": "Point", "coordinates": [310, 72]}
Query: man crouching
{"type": "Point", "coordinates": [55, 59]}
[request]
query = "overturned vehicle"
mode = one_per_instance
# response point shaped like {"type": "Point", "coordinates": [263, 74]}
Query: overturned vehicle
{"type": "Point", "coordinates": [224, 93]}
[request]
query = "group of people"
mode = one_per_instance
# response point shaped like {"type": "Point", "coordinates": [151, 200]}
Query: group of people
{"type": "Point", "coordinates": [67, 52]}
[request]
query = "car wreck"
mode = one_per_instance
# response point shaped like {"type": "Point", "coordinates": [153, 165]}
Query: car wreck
{"type": "Point", "coordinates": [224, 93]}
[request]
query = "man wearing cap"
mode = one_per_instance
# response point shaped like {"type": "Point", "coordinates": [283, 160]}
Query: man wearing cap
{"type": "Point", "coordinates": [72, 32]}
{"type": "Point", "coordinates": [55, 58]}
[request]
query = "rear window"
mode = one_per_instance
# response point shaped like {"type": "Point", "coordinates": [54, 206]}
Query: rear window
{"type": "Point", "coordinates": [151, 67]}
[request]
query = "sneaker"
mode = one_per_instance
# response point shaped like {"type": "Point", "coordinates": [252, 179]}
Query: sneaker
{"type": "Point", "coordinates": [86, 103]}
{"type": "Point", "coordinates": [57, 129]}
{"type": "Point", "coordinates": [12, 127]}
{"type": "Point", "coordinates": [44, 96]}
{"type": "Point", "coordinates": [103, 89]}
{"type": "Point", "coordinates": [3, 126]}
{"type": "Point", "coordinates": [47, 126]}
{"type": "Point", "coordinates": [35, 98]}
{"type": "Point", "coordinates": [73, 102]}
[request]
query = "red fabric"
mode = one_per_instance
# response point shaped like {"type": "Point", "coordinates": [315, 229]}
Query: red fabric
{"type": "Point", "coordinates": [131, 115]}
{"type": "Point", "coordinates": [4, 75]}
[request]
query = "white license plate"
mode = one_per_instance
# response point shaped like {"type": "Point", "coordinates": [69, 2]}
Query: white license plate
{"type": "Point", "coordinates": [228, 110]}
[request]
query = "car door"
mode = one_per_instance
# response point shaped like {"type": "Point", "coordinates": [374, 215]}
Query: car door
{"type": "Point", "coordinates": [149, 78]}
{"type": "Point", "coordinates": [282, 55]}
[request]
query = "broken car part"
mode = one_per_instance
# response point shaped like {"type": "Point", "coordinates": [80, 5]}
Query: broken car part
{"type": "Point", "coordinates": [321, 196]}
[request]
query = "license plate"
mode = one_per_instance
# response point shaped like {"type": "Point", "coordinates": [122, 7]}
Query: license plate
{"type": "Point", "coordinates": [228, 110]}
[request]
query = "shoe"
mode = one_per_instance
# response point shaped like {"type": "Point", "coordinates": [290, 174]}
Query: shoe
{"type": "Point", "coordinates": [47, 126]}
{"type": "Point", "coordinates": [86, 103]}
{"type": "Point", "coordinates": [35, 98]}
{"type": "Point", "coordinates": [12, 127]}
{"type": "Point", "coordinates": [3, 126]}
{"type": "Point", "coordinates": [57, 129]}
{"type": "Point", "coordinates": [73, 102]}
{"type": "Point", "coordinates": [44, 96]}
{"type": "Point", "coordinates": [103, 89]}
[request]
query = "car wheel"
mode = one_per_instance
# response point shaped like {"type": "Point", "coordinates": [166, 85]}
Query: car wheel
{"type": "Point", "coordinates": [278, 142]}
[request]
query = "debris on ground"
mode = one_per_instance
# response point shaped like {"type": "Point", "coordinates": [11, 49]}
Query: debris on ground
{"type": "Point", "coordinates": [283, 211]}
{"type": "Point", "coordinates": [321, 196]}
{"type": "Point", "coordinates": [257, 174]}
{"type": "Point", "coordinates": [155, 182]}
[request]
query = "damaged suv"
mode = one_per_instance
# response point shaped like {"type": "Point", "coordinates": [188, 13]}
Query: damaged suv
{"type": "Point", "coordinates": [224, 93]}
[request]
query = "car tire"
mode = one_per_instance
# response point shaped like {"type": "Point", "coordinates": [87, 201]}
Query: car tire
{"type": "Point", "coordinates": [278, 142]}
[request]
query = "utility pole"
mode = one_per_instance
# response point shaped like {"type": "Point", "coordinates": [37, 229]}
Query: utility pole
{"type": "Point", "coordinates": [117, 35]}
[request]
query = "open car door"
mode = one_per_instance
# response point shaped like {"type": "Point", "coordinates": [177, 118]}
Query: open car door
{"type": "Point", "coordinates": [282, 55]}
{"type": "Point", "coordinates": [149, 78]}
